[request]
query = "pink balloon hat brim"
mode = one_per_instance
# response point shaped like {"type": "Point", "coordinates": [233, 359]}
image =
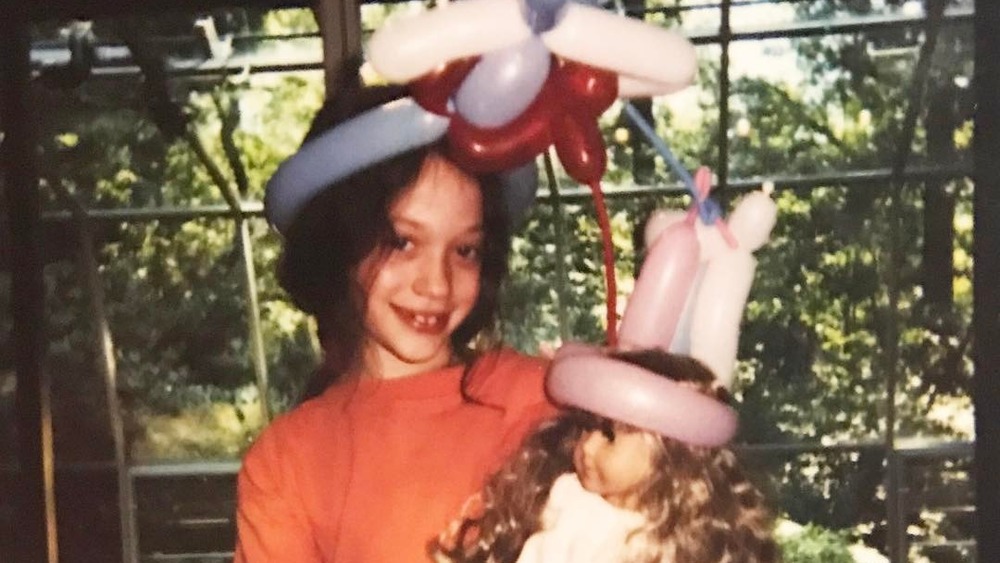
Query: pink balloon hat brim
{"type": "Point", "coordinates": [628, 393]}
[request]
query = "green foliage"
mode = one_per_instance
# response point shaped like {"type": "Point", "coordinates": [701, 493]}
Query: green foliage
{"type": "Point", "coordinates": [814, 544]}
{"type": "Point", "coordinates": [173, 290]}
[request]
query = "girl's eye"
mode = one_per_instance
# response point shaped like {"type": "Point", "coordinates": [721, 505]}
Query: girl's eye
{"type": "Point", "coordinates": [471, 252]}
{"type": "Point", "coordinates": [400, 242]}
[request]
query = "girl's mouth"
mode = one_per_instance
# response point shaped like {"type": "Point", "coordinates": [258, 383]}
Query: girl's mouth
{"type": "Point", "coordinates": [423, 322]}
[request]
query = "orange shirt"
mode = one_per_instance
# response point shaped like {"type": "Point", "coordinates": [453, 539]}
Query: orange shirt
{"type": "Point", "coordinates": [373, 470]}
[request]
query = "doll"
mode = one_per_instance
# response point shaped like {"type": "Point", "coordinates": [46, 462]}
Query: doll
{"type": "Point", "coordinates": [637, 470]}
{"type": "Point", "coordinates": [588, 487]}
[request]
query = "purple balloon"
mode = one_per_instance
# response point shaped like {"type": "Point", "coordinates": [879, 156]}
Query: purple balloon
{"type": "Point", "coordinates": [503, 84]}
{"type": "Point", "coordinates": [541, 15]}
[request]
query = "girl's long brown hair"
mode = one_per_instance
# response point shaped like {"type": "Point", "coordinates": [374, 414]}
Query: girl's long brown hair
{"type": "Point", "coordinates": [699, 505]}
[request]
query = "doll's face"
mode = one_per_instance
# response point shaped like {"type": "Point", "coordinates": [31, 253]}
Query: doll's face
{"type": "Point", "coordinates": [615, 461]}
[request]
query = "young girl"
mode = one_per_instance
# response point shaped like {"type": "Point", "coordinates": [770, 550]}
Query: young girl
{"type": "Point", "coordinates": [590, 488]}
{"type": "Point", "coordinates": [400, 262]}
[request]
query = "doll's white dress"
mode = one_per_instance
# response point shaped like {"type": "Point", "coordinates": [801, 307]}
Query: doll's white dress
{"type": "Point", "coordinates": [579, 526]}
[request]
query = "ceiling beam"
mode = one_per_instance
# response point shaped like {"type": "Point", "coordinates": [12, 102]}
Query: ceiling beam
{"type": "Point", "coordinates": [40, 10]}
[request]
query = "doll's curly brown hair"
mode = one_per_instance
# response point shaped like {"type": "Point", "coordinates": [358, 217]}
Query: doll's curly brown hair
{"type": "Point", "coordinates": [699, 505]}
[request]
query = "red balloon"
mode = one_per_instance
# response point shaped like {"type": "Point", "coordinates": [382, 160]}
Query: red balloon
{"type": "Point", "coordinates": [509, 146]}
{"type": "Point", "coordinates": [587, 89]}
{"type": "Point", "coordinates": [565, 113]}
{"type": "Point", "coordinates": [580, 146]}
{"type": "Point", "coordinates": [434, 89]}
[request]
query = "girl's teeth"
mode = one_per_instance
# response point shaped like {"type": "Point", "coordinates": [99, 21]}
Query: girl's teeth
{"type": "Point", "coordinates": [425, 320]}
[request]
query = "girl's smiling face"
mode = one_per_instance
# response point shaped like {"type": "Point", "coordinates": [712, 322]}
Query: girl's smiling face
{"type": "Point", "coordinates": [426, 283]}
{"type": "Point", "coordinates": [615, 461]}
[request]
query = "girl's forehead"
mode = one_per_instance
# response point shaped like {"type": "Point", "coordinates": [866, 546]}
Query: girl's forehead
{"type": "Point", "coordinates": [440, 191]}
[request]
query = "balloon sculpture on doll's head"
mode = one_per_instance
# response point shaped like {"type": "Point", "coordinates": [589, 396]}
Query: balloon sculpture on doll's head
{"type": "Point", "coordinates": [688, 299]}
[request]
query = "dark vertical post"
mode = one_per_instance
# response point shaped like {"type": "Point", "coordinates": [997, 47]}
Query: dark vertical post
{"type": "Point", "coordinates": [35, 502]}
{"type": "Point", "coordinates": [643, 163]}
{"type": "Point", "coordinates": [939, 203]}
{"type": "Point", "coordinates": [986, 276]}
{"type": "Point", "coordinates": [725, 38]}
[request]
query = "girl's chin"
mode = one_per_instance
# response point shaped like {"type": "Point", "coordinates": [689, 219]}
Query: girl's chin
{"type": "Point", "coordinates": [414, 359]}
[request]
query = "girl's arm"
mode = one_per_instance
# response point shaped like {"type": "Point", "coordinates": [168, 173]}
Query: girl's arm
{"type": "Point", "coordinates": [270, 522]}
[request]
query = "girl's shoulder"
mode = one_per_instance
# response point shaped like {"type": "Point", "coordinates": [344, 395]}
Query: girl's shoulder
{"type": "Point", "coordinates": [299, 428]}
{"type": "Point", "coordinates": [506, 371]}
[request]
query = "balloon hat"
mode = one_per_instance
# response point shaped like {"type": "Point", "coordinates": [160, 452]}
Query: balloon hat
{"type": "Point", "coordinates": [688, 299]}
{"type": "Point", "coordinates": [501, 80]}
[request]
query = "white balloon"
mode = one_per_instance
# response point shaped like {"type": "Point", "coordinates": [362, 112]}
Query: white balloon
{"type": "Point", "coordinates": [636, 87]}
{"type": "Point", "coordinates": [752, 220]}
{"type": "Point", "coordinates": [651, 59]}
{"type": "Point", "coordinates": [711, 240]}
{"type": "Point", "coordinates": [681, 344]}
{"type": "Point", "coordinates": [715, 323]}
{"type": "Point", "coordinates": [411, 46]}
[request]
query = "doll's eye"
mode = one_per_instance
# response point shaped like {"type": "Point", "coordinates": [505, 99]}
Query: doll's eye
{"type": "Point", "coordinates": [607, 429]}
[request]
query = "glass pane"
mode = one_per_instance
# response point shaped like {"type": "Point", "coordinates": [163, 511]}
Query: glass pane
{"type": "Point", "coordinates": [187, 517]}
{"type": "Point", "coordinates": [812, 105]}
{"type": "Point", "coordinates": [173, 109]}
{"type": "Point", "coordinates": [176, 310]}
{"type": "Point", "coordinates": [557, 288]}
{"type": "Point", "coordinates": [832, 504]}
{"type": "Point", "coordinates": [939, 502]}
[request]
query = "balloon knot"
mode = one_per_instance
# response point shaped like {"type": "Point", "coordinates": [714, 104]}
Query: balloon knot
{"type": "Point", "coordinates": [542, 15]}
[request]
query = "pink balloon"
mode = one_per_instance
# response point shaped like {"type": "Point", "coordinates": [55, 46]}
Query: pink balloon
{"type": "Point", "coordinates": [661, 291]}
{"type": "Point", "coordinates": [631, 394]}
{"type": "Point", "coordinates": [572, 348]}
{"type": "Point", "coordinates": [658, 222]}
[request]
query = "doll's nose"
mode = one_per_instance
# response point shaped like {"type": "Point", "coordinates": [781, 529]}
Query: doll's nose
{"type": "Point", "coordinates": [590, 443]}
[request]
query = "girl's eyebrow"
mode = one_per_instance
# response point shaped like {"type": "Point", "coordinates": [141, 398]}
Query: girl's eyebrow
{"type": "Point", "coordinates": [398, 220]}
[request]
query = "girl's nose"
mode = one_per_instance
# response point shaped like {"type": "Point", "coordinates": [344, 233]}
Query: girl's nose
{"type": "Point", "coordinates": [433, 277]}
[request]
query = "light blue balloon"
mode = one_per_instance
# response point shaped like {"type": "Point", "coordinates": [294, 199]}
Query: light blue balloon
{"type": "Point", "coordinates": [376, 135]}
{"type": "Point", "coordinates": [503, 84]}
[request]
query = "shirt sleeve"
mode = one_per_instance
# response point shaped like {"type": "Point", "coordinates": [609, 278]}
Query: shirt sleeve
{"type": "Point", "coordinates": [270, 524]}
{"type": "Point", "coordinates": [517, 383]}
